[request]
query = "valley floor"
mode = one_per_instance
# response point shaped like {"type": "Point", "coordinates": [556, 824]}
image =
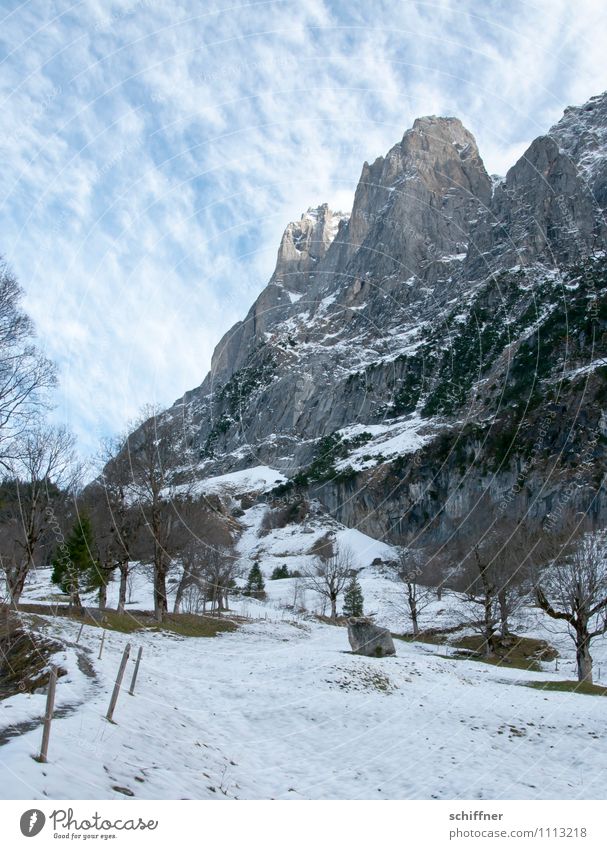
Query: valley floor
{"type": "Point", "coordinates": [282, 710]}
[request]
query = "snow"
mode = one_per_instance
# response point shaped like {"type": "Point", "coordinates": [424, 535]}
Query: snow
{"type": "Point", "coordinates": [280, 708]}
{"type": "Point", "coordinates": [587, 369]}
{"type": "Point", "coordinates": [255, 479]}
{"type": "Point", "coordinates": [388, 441]}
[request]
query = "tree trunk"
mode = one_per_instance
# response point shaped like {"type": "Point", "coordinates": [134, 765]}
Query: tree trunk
{"type": "Point", "coordinates": [124, 574]}
{"type": "Point", "coordinates": [488, 627]}
{"type": "Point", "coordinates": [16, 581]}
{"type": "Point", "coordinates": [414, 622]}
{"type": "Point", "coordinates": [181, 587]}
{"type": "Point", "coordinates": [584, 660]}
{"type": "Point", "coordinates": [502, 600]}
{"type": "Point", "coordinates": [102, 596]}
{"type": "Point", "coordinates": [333, 608]}
{"type": "Point", "coordinates": [439, 592]}
{"type": "Point", "coordinates": [160, 591]}
{"type": "Point", "coordinates": [413, 612]}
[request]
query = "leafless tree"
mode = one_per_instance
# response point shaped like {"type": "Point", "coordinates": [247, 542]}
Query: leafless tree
{"type": "Point", "coordinates": [43, 470]}
{"type": "Point", "coordinates": [493, 554]}
{"type": "Point", "coordinates": [573, 589]}
{"type": "Point", "coordinates": [192, 579]}
{"type": "Point", "coordinates": [116, 519]}
{"type": "Point", "coordinates": [25, 374]}
{"type": "Point", "coordinates": [330, 574]}
{"type": "Point", "coordinates": [481, 589]}
{"type": "Point", "coordinates": [155, 452]}
{"type": "Point", "coordinates": [409, 570]}
{"type": "Point", "coordinates": [208, 574]}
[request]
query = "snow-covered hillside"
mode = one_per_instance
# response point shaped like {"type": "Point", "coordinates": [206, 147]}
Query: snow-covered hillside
{"type": "Point", "coordinates": [281, 709]}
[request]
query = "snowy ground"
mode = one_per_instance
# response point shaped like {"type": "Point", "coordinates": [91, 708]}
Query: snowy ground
{"type": "Point", "coordinates": [280, 708]}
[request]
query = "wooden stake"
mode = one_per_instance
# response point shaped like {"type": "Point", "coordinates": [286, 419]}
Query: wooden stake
{"type": "Point", "coordinates": [79, 633]}
{"type": "Point", "coordinates": [102, 641]}
{"type": "Point", "coordinates": [134, 678]}
{"type": "Point", "coordinates": [48, 717]}
{"type": "Point", "coordinates": [115, 694]}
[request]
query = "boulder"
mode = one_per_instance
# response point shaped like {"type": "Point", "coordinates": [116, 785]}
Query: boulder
{"type": "Point", "coordinates": [369, 639]}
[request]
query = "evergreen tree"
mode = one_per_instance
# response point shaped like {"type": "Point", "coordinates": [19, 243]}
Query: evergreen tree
{"type": "Point", "coordinates": [280, 572]}
{"type": "Point", "coordinates": [255, 586]}
{"type": "Point", "coordinates": [74, 568]}
{"type": "Point", "coordinates": [353, 598]}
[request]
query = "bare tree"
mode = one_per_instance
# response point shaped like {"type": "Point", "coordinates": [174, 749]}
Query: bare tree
{"type": "Point", "coordinates": [116, 519]}
{"type": "Point", "coordinates": [192, 576]}
{"type": "Point", "coordinates": [330, 574]}
{"type": "Point", "coordinates": [409, 569]}
{"type": "Point", "coordinates": [154, 452]}
{"type": "Point", "coordinates": [493, 553]}
{"type": "Point", "coordinates": [481, 589]}
{"type": "Point", "coordinates": [25, 374]}
{"type": "Point", "coordinates": [43, 470]}
{"type": "Point", "coordinates": [207, 577]}
{"type": "Point", "coordinates": [573, 589]}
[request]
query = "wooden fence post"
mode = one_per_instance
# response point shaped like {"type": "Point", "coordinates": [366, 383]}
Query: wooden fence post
{"type": "Point", "coordinates": [134, 678]}
{"type": "Point", "coordinates": [48, 716]}
{"type": "Point", "coordinates": [101, 646]}
{"type": "Point", "coordinates": [79, 633]}
{"type": "Point", "coordinates": [114, 699]}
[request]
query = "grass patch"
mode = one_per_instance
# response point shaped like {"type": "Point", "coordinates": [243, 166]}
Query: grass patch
{"type": "Point", "coordinates": [568, 687]}
{"type": "Point", "coordinates": [24, 658]}
{"type": "Point", "coordinates": [430, 639]}
{"type": "Point", "coordinates": [513, 652]}
{"type": "Point", "coordinates": [183, 624]}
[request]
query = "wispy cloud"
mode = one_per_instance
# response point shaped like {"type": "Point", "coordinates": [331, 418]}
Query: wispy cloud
{"type": "Point", "coordinates": [154, 151]}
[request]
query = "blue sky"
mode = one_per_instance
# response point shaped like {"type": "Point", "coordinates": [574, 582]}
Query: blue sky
{"type": "Point", "coordinates": [153, 152]}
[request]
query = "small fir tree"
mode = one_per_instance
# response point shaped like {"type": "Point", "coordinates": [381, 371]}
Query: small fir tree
{"type": "Point", "coordinates": [280, 573]}
{"type": "Point", "coordinates": [255, 586]}
{"type": "Point", "coordinates": [74, 568]}
{"type": "Point", "coordinates": [353, 598]}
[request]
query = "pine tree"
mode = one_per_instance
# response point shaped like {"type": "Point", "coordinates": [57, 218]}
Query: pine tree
{"type": "Point", "coordinates": [280, 573]}
{"type": "Point", "coordinates": [353, 598]}
{"type": "Point", "coordinates": [255, 586]}
{"type": "Point", "coordinates": [74, 567]}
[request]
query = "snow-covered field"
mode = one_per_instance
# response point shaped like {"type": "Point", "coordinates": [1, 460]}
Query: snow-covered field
{"type": "Point", "coordinates": [280, 708]}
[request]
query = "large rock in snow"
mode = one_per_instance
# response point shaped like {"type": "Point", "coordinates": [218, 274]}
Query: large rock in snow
{"type": "Point", "coordinates": [369, 639]}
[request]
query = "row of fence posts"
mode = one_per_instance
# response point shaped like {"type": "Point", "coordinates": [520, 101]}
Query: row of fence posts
{"type": "Point", "coordinates": [52, 685]}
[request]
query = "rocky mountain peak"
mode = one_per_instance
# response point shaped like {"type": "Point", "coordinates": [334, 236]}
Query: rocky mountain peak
{"type": "Point", "coordinates": [414, 205]}
{"type": "Point", "coordinates": [303, 244]}
{"type": "Point", "coordinates": [582, 135]}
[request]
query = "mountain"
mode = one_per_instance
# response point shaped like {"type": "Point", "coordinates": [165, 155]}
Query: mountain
{"type": "Point", "coordinates": [444, 340]}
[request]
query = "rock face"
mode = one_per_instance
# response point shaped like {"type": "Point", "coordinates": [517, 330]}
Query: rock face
{"type": "Point", "coordinates": [403, 359]}
{"type": "Point", "coordinates": [369, 639]}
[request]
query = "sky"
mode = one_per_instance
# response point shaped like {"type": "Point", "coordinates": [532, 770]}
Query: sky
{"type": "Point", "coordinates": [153, 152]}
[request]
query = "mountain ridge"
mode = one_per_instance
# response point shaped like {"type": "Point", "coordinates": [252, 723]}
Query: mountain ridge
{"type": "Point", "coordinates": [410, 320]}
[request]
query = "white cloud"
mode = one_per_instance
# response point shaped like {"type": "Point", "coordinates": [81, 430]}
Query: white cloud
{"type": "Point", "coordinates": [154, 152]}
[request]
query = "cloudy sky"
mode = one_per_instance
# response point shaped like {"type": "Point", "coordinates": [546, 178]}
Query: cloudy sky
{"type": "Point", "coordinates": [152, 152]}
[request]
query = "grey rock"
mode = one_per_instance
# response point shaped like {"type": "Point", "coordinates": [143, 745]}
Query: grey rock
{"type": "Point", "coordinates": [362, 313]}
{"type": "Point", "coordinates": [369, 639]}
